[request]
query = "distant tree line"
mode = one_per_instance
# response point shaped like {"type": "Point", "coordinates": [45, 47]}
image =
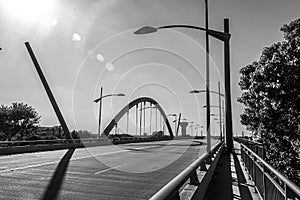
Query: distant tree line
{"type": "Point", "coordinates": [20, 121]}
{"type": "Point", "coordinates": [271, 96]}
{"type": "Point", "coordinates": [82, 134]}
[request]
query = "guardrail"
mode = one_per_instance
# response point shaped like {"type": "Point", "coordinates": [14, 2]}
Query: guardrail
{"type": "Point", "coordinates": [261, 173]}
{"type": "Point", "coordinates": [256, 147]}
{"type": "Point", "coordinates": [171, 190]}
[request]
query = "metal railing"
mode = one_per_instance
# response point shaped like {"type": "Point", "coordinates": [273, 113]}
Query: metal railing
{"type": "Point", "coordinates": [256, 147]}
{"type": "Point", "coordinates": [262, 175]}
{"type": "Point", "coordinates": [172, 189]}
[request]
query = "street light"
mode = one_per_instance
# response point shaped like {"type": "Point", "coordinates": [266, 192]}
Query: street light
{"type": "Point", "coordinates": [225, 37]}
{"type": "Point", "coordinates": [191, 127]}
{"type": "Point", "coordinates": [214, 106]}
{"type": "Point", "coordinates": [219, 94]}
{"type": "Point", "coordinates": [178, 120]}
{"type": "Point", "coordinates": [174, 115]}
{"type": "Point", "coordinates": [100, 107]}
{"type": "Point", "coordinates": [200, 91]}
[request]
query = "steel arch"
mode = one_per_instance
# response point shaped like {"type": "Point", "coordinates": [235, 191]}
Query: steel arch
{"type": "Point", "coordinates": [114, 121]}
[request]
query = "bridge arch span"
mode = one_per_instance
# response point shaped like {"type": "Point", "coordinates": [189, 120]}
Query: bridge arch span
{"type": "Point", "coordinates": [135, 102]}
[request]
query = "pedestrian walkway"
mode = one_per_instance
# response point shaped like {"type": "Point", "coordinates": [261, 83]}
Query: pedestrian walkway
{"type": "Point", "coordinates": [230, 180]}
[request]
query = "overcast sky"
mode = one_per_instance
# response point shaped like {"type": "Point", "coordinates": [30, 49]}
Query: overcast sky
{"type": "Point", "coordinates": [82, 45]}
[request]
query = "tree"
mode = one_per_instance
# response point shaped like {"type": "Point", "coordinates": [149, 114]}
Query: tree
{"type": "Point", "coordinates": [4, 122]}
{"type": "Point", "coordinates": [18, 120]}
{"type": "Point", "coordinates": [271, 96]}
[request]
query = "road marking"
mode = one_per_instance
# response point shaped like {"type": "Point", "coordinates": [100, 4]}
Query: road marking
{"type": "Point", "coordinates": [72, 159]}
{"type": "Point", "coordinates": [83, 157]}
{"type": "Point", "coordinates": [111, 168]}
{"type": "Point", "coordinates": [54, 162]}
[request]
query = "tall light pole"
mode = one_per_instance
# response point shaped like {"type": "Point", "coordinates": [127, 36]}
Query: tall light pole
{"type": "Point", "coordinates": [127, 122]}
{"type": "Point", "coordinates": [196, 128]}
{"type": "Point", "coordinates": [191, 128]}
{"type": "Point", "coordinates": [214, 92]}
{"type": "Point", "coordinates": [136, 119]}
{"type": "Point", "coordinates": [100, 107]}
{"type": "Point", "coordinates": [174, 115]}
{"type": "Point", "coordinates": [208, 146]}
{"type": "Point", "coordinates": [219, 90]}
{"type": "Point", "coordinates": [178, 123]}
{"type": "Point", "coordinates": [224, 37]}
{"type": "Point", "coordinates": [221, 122]}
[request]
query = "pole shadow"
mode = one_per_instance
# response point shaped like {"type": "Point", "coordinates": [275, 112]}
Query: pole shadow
{"type": "Point", "coordinates": [56, 181]}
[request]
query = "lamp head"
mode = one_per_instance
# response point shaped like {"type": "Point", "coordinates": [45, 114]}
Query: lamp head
{"type": "Point", "coordinates": [146, 30]}
{"type": "Point", "coordinates": [194, 91]}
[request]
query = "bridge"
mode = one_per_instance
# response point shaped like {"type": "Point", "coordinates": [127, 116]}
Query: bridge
{"type": "Point", "coordinates": [156, 165]}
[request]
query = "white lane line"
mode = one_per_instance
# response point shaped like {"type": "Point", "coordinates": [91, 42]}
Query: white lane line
{"type": "Point", "coordinates": [54, 162]}
{"type": "Point", "coordinates": [83, 157]}
{"type": "Point", "coordinates": [108, 169]}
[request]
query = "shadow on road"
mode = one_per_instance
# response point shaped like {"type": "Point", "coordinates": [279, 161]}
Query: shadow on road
{"type": "Point", "coordinates": [194, 143]}
{"type": "Point", "coordinates": [56, 181]}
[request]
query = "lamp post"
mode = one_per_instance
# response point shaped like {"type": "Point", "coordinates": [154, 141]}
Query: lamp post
{"type": "Point", "coordinates": [225, 37]}
{"type": "Point", "coordinates": [100, 106]}
{"type": "Point", "coordinates": [220, 117]}
{"type": "Point", "coordinates": [191, 128]}
{"type": "Point", "coordinates": [178, 123]}
{"type": "Point", "coordinates": [184, 119]}
{"type": "Point", "coordinates": [219, 94]}
{"type": "Point", "coordinates": [174, 115]}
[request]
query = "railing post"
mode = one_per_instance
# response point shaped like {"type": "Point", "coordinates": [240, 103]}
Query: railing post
{"type": "Point", "coordinates": [254, 171]}
{"type": "Point", "coordinates": [175, 196]}
{"type": "Point", "coordinates": [203, 166]}
{"type": "Point", "coordinates": [264, 183]}
{"type": "Point", "coordinates": [288, 193]}
{"type": "Point", "coordinates": [194, 178]}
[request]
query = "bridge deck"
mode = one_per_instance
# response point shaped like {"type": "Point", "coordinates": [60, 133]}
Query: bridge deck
{"type": "Point", "coordinates": [131, 171]}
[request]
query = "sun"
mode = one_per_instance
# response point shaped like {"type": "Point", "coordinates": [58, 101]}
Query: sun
{"type": "Point", "coordinates": [28, 10]}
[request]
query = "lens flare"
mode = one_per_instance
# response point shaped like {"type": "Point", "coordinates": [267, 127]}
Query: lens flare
{"type": "Point", "coordinates": [28, 10]}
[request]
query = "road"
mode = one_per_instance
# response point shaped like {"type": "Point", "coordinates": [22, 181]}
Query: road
{"type": "Point", "coordinates": [128, 171]}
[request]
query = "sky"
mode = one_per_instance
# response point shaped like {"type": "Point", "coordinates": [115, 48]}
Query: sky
{"type": "Point", "coordinates": [83, 45]}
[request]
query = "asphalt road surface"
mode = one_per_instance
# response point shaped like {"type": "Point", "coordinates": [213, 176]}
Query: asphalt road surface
{"type": "Point", "coordinates": [128, 171]}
